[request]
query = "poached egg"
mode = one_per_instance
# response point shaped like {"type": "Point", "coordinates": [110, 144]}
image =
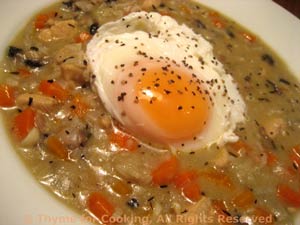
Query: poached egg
{"type": "Point", "coordinates": [162, 83]}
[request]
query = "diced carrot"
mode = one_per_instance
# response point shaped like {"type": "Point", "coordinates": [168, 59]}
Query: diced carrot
{"type": "Point", "coordinates": [271, 158]}
{"type": "Point", "coordinates": [295, 155]}
{"type": "Point", "coordinates": [41, 20]}
{"type": "Point", "coordinates": [7, 96]}
{"type": "Point", "coordinates": [249, 37]}
{"type": "Point", "coordinates": [100, 206]}
{"type": "Point", "coordinates": [185, 177]}
{"type": "Point", "coordinates": [53, 89]}
{"type": "Point", "coordinates": [79, 106]}
{"type": "Point", "coordinates": [216, 177]}
{"type": "Point", "coordinates": [218, 23]}
{"type": "Point", "coordinates": [164, 173]}
{"type": "Point", "coordinates": [83, 37]}
{"type": "Point", "coordinates": [124, 141]}
{"type": "Point", "coordinates": [216, 20]}
{"type": "Point", "coordinates": [24, 72]}
{"type": "Point", "coordinates": [185, 9]}
{"type": "Point", "coordinates": [244, 199]}
{"type": "Point", "coordinates": [55, 146]}
{"type": "Point", "coordinates": [192, 191]}
{"type": "Point", "coordinates": [288, 195]}
{"type": "Point", "coordinates": [213, 14]}
{"type": "Point", "coordinates": [187, 182]}
{"type": "Point", "coordinates": [220, 210]}
{"type": "Point", "coordinates": [23, 123]}
{"type": "Point", "coordinates": [262, 216]}
{"type": "Point", "coordinates": [121, 187]}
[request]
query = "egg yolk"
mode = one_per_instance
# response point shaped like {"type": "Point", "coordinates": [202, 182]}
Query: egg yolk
{"type": "Point", "coordinates": [174, 100]}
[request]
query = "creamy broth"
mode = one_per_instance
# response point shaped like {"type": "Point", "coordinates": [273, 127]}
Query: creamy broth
{"type": "Point", "coordinates": [69, 144]}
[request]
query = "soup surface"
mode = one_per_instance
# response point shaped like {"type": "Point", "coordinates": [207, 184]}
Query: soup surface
{"type": "Point", "coordinates": [78, 151]}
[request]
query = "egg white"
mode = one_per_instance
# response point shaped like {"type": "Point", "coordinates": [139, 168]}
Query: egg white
{"type": "Point", "coordinates": [118, 42]}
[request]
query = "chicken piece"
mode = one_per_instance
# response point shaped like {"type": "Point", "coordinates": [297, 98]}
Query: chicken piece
{"type": "Point", "coordinates": [43, 123]}
{"type": "Point", "coordinates": [63, 29]}
{"type": "Point", "coordinates": [221, 158]}
{"type": "Point", "coordinates": [45, 35]}
{"type": "Point", "coordinates": [59, 30]}
{"type": "Point", "coordinates": [84, 6]}
{"type": "Point", "coordinates": [73, 72]}
{"type": "Point", "coordinates": [38, 101]}
{"type": "Point", "coordinates": [74, 135]}
{"type": "Point", "coordinates": [98, 120]}
{"type": "Point", "coordinates": [73, 65]}
{"type": "Point", "coordinates": [275, 126]}
{"type": "Point", "coordinates": [72, 53]}
{"type": "Point", "coordinates": [132, 169]}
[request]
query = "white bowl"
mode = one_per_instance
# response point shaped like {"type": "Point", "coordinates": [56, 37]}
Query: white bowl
{"type": "Point", "coordinates": [22, 199]}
